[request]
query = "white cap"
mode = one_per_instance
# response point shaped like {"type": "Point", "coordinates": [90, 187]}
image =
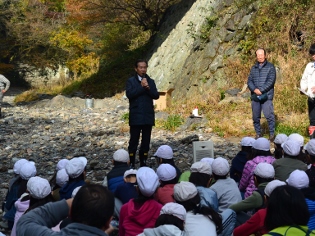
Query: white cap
{"type": "Point", "coordinates": [147, 180]}
{"type": "Point", "coordinates": [75, 191]}
{"type": "Point", "coordinates": [38, 187]}
{"type": "Point", "coordinates": [62, 164]}
{"type": "Point", "coordinates": [272, 185]}
{"type": "Point", "coordinates": [297, 137]}
{"type": "Point", "coordinates": [247, 141]}
{"type": "Point", "coordinates": [18, 164]}
{"type": "Point", "coordinates": [220, 166]}
{"type": "Point", "coordinates": [75, 167]}
{"type": "Point", "coordinates": [280, 138]}
{"type": "Point", "coordinates": [262, 144]}
{"type": "Point", "coordinates": [164, 152]}
{"type": "Point", "coordinates": [62, 177]}
{"type": "Point", "coordinates": [130, 172]}
{"type": "Point", "coordinates": [201, 167]}
{"type": "Point", "coordinates": [298, 179]}
{"type": "Point", "coordinates": [310, 147]}
{"type": "Point", "coordinates": [291, 147]}
{"type": "Point", "coordinates": [264, 170]}
{"type": "Point", "coordinates": [121, 155]}
{"type": "Point", "coordinates": [208, 160]}
{"type": "Point", "coordinates": [184, 191]}
{"type": "Point", "coordinates": [166, 172]}
{"type": "Point", "coordinates": [174, 209]}
{"type": "Point", "coordinates": [28, 170]}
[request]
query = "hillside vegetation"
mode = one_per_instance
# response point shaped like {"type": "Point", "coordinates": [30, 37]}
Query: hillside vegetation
{"type": "Point", "coordinates": [108, 50]}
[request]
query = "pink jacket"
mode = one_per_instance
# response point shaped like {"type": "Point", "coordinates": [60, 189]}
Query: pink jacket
{"type": "Point", "coordinates": [247, 181]}
{"type": "Point", "coordinates": [21, 207]}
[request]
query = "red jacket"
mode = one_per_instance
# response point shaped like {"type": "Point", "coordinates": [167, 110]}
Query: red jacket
{"type": "Point", "coordinates": [165, 194]}
{"type": "Point", "coordinates": [253, 225]}
{"type": "Point", "coordinates": [134, 219]}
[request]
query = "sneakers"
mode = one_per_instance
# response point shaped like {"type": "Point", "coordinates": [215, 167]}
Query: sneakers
{"type": "Point", "coordinates": [4, 224]}
{"type": "Point", "coordinates": [258, 136]}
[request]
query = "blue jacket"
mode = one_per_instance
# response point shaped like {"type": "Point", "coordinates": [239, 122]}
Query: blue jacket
{"type": "Point", "coordinates": [115, 176]}
{"type": "Point", "coordinates": [141, 109]}
{"type": "Point", "coordinates": [263, 78]}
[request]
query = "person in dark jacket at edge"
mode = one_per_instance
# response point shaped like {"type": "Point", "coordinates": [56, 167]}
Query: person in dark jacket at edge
{"type": "Point", "coordinates": [140, 90]}
{"type": "Point", "coordinates": [261, 81]}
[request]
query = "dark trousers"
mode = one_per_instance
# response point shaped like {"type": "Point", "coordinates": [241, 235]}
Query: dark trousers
{"type": "Point", "coordinates": [135, 131]}
{"type": "Point", "coordinates": [267, 108]}
{"type": "Point", "coordinates": [311, 111]}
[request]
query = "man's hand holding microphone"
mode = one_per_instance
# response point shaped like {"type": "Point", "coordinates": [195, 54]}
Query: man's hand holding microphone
{"type": "Point", "coordinates": [144, 83]}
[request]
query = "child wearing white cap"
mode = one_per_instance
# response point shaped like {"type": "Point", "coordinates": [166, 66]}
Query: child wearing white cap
{"type": "Point", "coordinates": [255, 225]}
{"type": "Point", "coordinates": [225, 187]}
{"type": "Point", "coordinates": [26, 171]}
{"type": "Point", "coordinates": [287, 212]}
{"type": "Point", "coordinates": [239, 161]}
{"type": "Point", "coordinates": [289, 162]}
{"type": "Point", "coordinates": [200, 220]}
{"type": "Point", "coordinates": [279, 140]}
{"type": "Point", "coordinates": [127, 190]}
{"type": "Point", "coordinates": [75, 168]}
{"type": "Point", "coordinates": [260, 153]}
{"type": "Point", "coordinates": [168, 178]}
{"type": "Point", "coordinates": [165, 156]}
{"type": "Point", "coordinates": [201, 177]}
{"type": "Point", "coordinates": [263, 174]}
{"type": "Point", "coordinates": [39, 193]}
{"type": "Point", "coordinates": [300, 180]}
{"type": "Point", "coordinates": [300, 139]}
{"type": "Point", "coordinates": [62, 178]}
{"type": "Point", "coordinates": [61, 164]}
{"type": "Point", "coordinates": [115, 176]}
{"type": "Point", "coordinates": [170, 222]}
{"type": "Point", "coordinates": [143, 211]}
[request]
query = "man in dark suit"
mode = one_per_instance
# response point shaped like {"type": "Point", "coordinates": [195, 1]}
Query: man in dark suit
{"type": "Point", "coordinates": [140, 90]}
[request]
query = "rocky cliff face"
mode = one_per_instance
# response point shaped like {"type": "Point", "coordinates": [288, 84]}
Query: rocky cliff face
{"type": "Point", "coordinates": [194, 44]}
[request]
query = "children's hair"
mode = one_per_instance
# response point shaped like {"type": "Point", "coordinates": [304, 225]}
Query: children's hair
{"type": "Point", "coordinates": [312, 49]}
{"type": "Point", "coordinates": [312, 158]}
{"type": "Point", "coordinates": [34, 203]}
{"type": "Point", "coordinates": [256, 153]}
{"type": "Point", "coordinates": [23, 185]}
{"type": "Point", "coordinates": [77, 179]}
{"type": "Point", "coordinates": [278, 151]}
{"type": "Point", "coordinates": [286, 207]}
{"type": "Point", "coordinates": [172, 181]}
{"type": "Point", "coordinates": [248, 150]}
{"type": "Point", "coordinates": [165, 219]}
{"type": "Point", "coordinates": [199, 179]}
{"type": "Point", "coordinates": [93, 205]}
{"type": "Point", "coordinates": [193, 205]}
{"type": "Point", "coordinates": [141, 199]}
{"type": "Point", "coordinates": [261, 180]}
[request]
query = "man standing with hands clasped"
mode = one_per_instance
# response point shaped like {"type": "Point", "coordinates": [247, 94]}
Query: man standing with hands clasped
{"type": "Point", "coordinates": [4, 86]}
{"type": "Point", "coordinates": [261, 81]}
{"type": "Point", "coordinates": [140, 90]}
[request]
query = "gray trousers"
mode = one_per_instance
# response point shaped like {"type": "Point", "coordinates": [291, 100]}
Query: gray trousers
{"type": "Point", "coordinates": [267, 109]}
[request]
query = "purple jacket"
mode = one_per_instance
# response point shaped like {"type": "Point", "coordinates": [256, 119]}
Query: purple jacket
{"type": "Point", "coordinates": [247, 181]}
